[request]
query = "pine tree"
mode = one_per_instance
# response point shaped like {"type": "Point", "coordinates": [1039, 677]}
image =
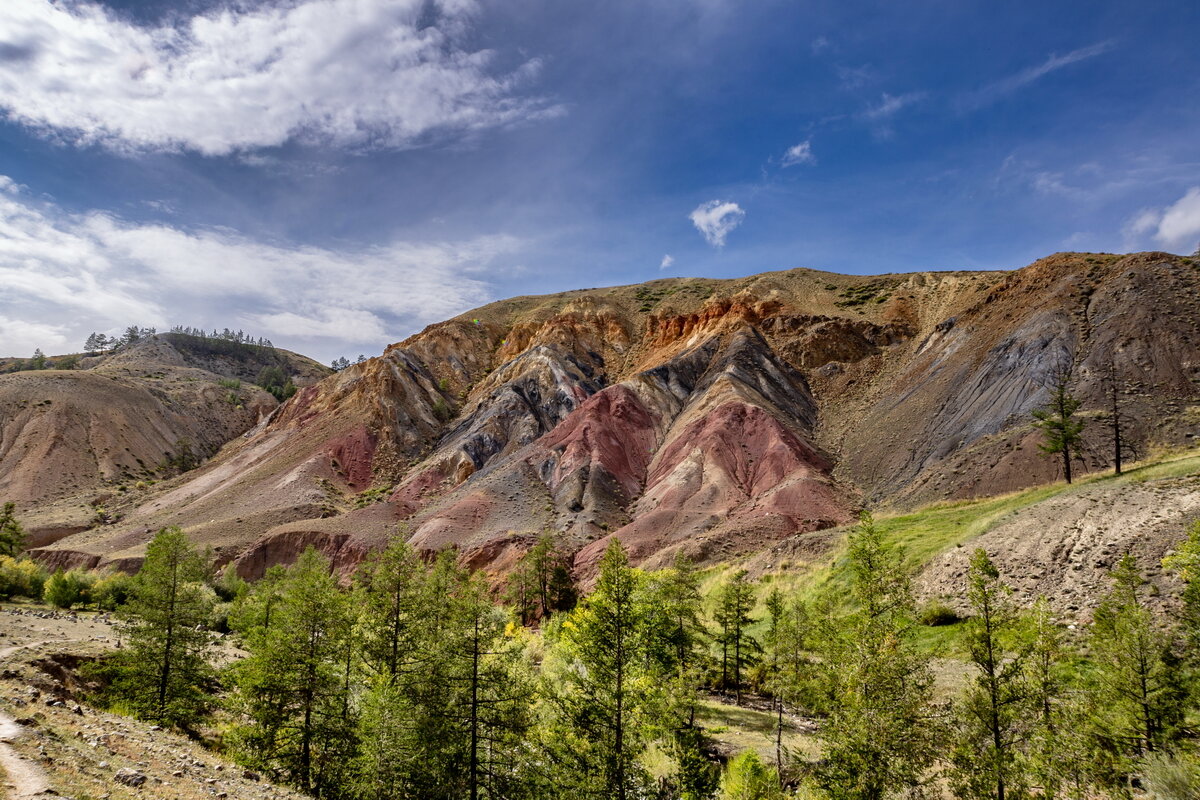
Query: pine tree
{"type": "Point", "coordinates": [1137, 691]}
{"type": "Point", "coordinates": [494, 690]}
{"type": "Point", "coordinates": [12, 534]}
{"type": "Point", "coordinates": [788, 662]}
{"type": "Point", "coordinates": [38, 361]}
{"type": "Point", "coordinates": [675, 641]}
{"type": "Point", "coordinates": [1057, 750]}
{"type": "Point", "coordinates": [292, 689]}
{"type": "Point", "coordinates": [880, 735]}
{"type": "Point", "coordinates": [735, 602]}
{"type": "Point", "coordinates": [1112, 388]}
{"type": "Point", "coordinates": [1060, 428]}
{"type": "Point", "coordinates": [542, 581]}
{"type": "Point", "coordinates": [993, 713]}
{"type": "Point", "coordinates": [391, 584]}
{"type": "Point", "coordinates": [164, 673]}
{"type": "Point", "coordinates": [602, 688]}
{"type": "Point", "coordinates": [1185, 562]}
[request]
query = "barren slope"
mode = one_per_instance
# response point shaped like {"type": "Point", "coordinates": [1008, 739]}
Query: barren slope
{"type": "Point", "coordinates": [72, 441]}
{"type": "Point", "coordinates": [710, 416]}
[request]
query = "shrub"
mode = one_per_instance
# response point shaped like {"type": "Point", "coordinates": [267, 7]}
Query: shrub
{"type": "Point", "coordinates": [442, 411]}
{"type": "Point", "coordinates": [936, 613]}
{"type": "Point", "coordinates": [21, 577]}
{"type": "Point", "coordinates": [111, 590]}
{"type": "Point", "coordinates": [1171, 777]}
{"type": "Point", "coordinates": [748, 778]}
{"type": "Point", "coordinates": [68, 589]}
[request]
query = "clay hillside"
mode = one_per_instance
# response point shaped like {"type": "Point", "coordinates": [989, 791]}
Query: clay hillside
{"type": "Point", "coordinates": [713, 417]}
{"type": "Point", "coordinates": [74, 442]}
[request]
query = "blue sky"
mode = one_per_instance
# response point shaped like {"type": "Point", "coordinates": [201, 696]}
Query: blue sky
{"type": "Point", "coordinates": [335, 174]}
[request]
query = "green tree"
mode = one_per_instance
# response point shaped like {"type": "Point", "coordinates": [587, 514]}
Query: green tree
{"type": "Point", "coordinates": [495, 689]}
{"type": "Point", "coordinates": [675, 642]}
{"type": "Point", "coordinates": [12, 534]}
{"type": "Point", "coordinates": [1058, 750]}
{"type": "Point", "coordinates": [1185, 562]}
{"type": "Point", "coordinates": [735, 603]}
{"type": "Point", "coordinates": [1060, 428]}
{"type": "Point", "coordinates": [881, 731]}
{"type": "Point", "coordinates": [292, 690]}
{"type": "Point", "coordinates": [1137, 689]}
{"type": "Point", "coordinates": [542, 582]}
{"type": "Point", "coordinates": [748, 778]}
{"type": "Point", "coordinates": [276, 381]}
{"type": "Point", "coordinates": [164, 671]}
{"type": "Point", "coordinates": [788, 663]}
{"type": "Point", "coordinates": [602, 688]}
{"type": "Point", "coordinates": [994, 712]}
{"type": "Point", "coordinates": [23, 577]}
{"type": "Point", "coordinates": [38, 361]}
{"type": "Point", "coordinates": [68, 589]}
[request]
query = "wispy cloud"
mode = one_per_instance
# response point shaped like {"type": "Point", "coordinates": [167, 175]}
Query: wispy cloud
{"type": "Point", "coordinates": [820, 45]}
{"type": "Point", "coordinates": [800, 153]}
{"type": "Point", "coordinates": [351, 73]}
{"type": "Point", "coordinates": [667, 262]}
{"type": "Point", "coordinates": [890, 105]}
{"type": "Point", "coordinates": [1006, 86]}
{"type": "Point", "coordinates": [74, 273]}
{"type": "Point", "coordinates": [1176, 227]}
{"type": "Point", "coordinates": [716, 219]}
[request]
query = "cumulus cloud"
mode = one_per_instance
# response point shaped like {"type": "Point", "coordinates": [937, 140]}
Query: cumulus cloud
{"type": "Point", "coordinates": [799, 154]}
{"type": "Point", "coordinates": [357, 73]}
{"type": "Point", "coordinates": [1005, 86]}
{"type": "Point", "coordinates": [1176, 227]}
{"type": "Point", "coordinates": [75, 273]}
{"type": "Point", "coordinates": [716, 219]}
{"type": "Point", "coordinates": [667, 262]}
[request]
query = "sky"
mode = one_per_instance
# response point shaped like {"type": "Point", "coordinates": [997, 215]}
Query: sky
{"type": "Point", "coordinates": [336, 174]}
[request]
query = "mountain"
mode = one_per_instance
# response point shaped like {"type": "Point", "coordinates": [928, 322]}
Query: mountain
{"type": "Point", "coordinates": [710, 417]}
{"type": "Point", "coordinates": [74, 442]}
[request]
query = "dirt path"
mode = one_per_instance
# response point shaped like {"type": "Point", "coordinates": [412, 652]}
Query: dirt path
{"type": "Point", "coordinates": [23, 778]}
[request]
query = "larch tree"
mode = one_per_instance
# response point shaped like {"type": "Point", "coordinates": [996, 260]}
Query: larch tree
{"type": "Point", "coordinates": [164, 670]}
{"type": "Point", "coordinates": [12, 534]}
{"type": "Point", "coordinates": [735, 603]}
{"type": "Point", "coordinates": [881, 731]}
{"type": "Point", "coordinates": [1137, 692]}
{"type": "Point", "coordinates": [993, 712]}
{"type": "Point", "coordinates": [291, 689]}
{"type": "Point", "coordinates": [602, 688]}
{"type": "Point", "coordinates": [1061, 429]}
{"type": "Point", "coordinates": [1115, 418]}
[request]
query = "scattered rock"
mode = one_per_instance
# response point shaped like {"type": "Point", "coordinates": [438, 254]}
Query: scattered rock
{"type": "Point", "coordinates": [129, 777]}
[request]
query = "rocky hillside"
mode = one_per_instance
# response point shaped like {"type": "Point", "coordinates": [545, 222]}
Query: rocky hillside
{"type": "Point", "coordinates": [705, 416]}
{"type": "Point", "coordinates": [74, 442]}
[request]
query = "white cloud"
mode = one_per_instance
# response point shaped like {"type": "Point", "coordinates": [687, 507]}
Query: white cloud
{"type": "Point", "coordinates": [21, 337]}
{"type": "Point", "coordinates": [890, 105]}
{"type": "Point", "coordinates": [1176, 227]}
{"type": "Point", "coordinates": [76, 273]}
{"type": "Point", "coordinates": [715, 219]}
{"type": "Point", "coordinates": [820, 45]}
{"type": "Point", "coordinates": [799, 154]}
{"type": "Point", "coordinates": [356, 73]}
{"type": "Point", "coordinates": [994, 91]}
{"type": "Point", "coordinates": [668, 261]}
